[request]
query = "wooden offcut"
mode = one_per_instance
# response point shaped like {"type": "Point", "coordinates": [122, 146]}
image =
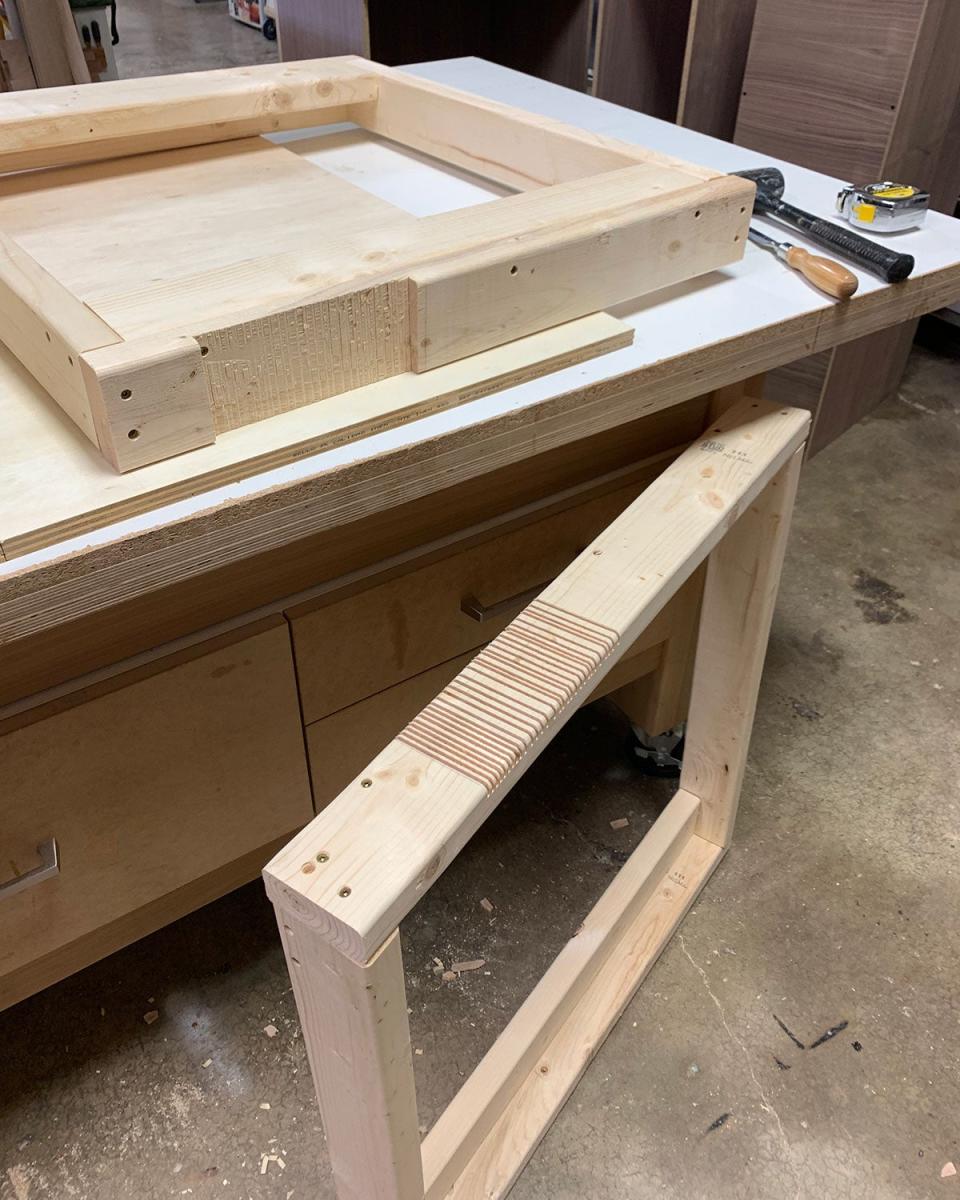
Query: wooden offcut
{"type": "Point", "coordinates": [192, 321]}
{"type": "Point", "coordinates": [342, 886]}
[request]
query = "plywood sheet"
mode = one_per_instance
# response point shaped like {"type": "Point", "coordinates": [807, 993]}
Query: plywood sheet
{"type": "Point", "coordinates": [55, 485]}
{"type": "Point", "coordinates": [824, 80]}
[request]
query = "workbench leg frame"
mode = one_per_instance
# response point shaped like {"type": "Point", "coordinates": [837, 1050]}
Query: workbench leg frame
{"type": "Point", "coordinates": [354, 1014]}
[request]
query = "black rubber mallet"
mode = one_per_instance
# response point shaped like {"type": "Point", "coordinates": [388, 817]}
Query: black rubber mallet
{"type": "Point", "coordinates": [888, 264]}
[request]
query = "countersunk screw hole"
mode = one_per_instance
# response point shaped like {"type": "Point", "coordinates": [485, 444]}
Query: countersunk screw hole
{"type": "Point", "coordinates": [344, 892]}
{"type": "Point", "coordinates": [366, 783]}
{"type": "Point", "coordinates": [126, 394]}
{"type": "Point", "coordinates": [513, 271]}
{"type": "Point", "coordinates": [308, 868]}
{"type": "Point", "coordinates": [697, 213]}
{"type": "Point", "coordinates": [323, 857]}
{"type": "Point", "coordinates": [205, 350]}
{"type": "Point", "coordinates": [544, 1069]}
{"type": "Point", "coordinates": [133, 434]}
{"type": "Point", "coordinates": [742, 211]}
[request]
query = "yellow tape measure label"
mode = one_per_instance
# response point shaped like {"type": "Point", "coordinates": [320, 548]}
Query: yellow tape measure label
{"type": "Point", "coordinates": [864, 212]}
{"type": "Point", "coordinates": [896, 192]}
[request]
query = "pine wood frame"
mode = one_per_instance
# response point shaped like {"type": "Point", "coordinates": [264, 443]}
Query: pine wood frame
{"type": "Point", "coordinates": [596, 222]}
{"type": "Point", "coordinates": [342, 886]}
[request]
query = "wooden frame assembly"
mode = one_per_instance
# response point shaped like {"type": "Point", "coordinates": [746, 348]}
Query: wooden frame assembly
{"type": "Point", "coordinates": [184, 325]}
{"type": "Point", "coordinates": [342, 886]}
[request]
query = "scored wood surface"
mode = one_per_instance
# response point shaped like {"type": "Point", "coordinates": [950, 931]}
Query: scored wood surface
{"type": "Point", "coordinates": [375, 868]}
{"type": "Point", "coordinates": [54, 486]}
{"type": "Point", "coordinates": [340, 744]}
{"type": "Point", "coordinates": [502, 702]}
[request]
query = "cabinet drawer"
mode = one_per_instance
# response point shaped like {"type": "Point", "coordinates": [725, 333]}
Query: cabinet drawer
{"type": "Point", "coordinates": [148, 782]}
{"type": "Point", "coordinates": [352, 648]}
{"type": "Point", "coordinates": [341, 745]}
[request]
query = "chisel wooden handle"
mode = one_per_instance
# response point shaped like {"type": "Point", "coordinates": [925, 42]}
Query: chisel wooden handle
{"type": "Point", "coordinates": [823, 273]}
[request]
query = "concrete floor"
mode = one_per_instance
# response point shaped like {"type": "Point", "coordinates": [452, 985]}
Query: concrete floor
{"type": "Point", "coordinates": [158, 37]}
{"type": "Point", "coordinates": [836, 906]}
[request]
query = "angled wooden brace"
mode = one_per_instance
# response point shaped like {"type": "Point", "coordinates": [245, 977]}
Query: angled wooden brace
{"type": "Point", "coordinates": [343, 885]}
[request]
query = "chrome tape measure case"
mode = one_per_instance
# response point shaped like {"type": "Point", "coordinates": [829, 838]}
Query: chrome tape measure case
{"type": "Point", "coordinates": [884, 207]}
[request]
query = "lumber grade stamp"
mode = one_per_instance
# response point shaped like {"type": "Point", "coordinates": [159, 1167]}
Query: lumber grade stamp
{"type": "Point", "coordinates": [341, 289]}
{"type": "Point", "coordinates": [342, 886]}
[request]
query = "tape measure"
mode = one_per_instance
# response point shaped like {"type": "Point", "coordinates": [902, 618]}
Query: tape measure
{"type": "Point", "coordinates": [884, 207]}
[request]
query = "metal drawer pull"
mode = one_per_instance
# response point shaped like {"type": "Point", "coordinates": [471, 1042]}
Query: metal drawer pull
{"type": "Point", "coordinates": [471, 607]}
{"type": "Point", "coordinates": [50, 866]}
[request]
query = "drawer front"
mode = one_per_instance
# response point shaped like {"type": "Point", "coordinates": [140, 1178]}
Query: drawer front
{"type": "Point", "coordinates": [341, 745]}
{"type": "Point", "coordinates": [350, 649]}
{"type": "Point", "coordinates": [175, 771]}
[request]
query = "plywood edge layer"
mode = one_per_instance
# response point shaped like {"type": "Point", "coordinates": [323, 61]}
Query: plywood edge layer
{"type": "Point", "coordinates": [90, 503]}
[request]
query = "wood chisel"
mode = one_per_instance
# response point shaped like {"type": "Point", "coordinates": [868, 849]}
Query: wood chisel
{"type": "Point", "coordinates": [823, 273]}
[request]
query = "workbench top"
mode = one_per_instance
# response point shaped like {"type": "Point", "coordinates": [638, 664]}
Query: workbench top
{"type": "Point", "coordinates": [709, 332]}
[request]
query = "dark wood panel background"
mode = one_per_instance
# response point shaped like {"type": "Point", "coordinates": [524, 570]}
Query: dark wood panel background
{"type": "Point", "coordinates": [546, 38]}
{"type": "Point", "coordinates": [718, 42]}
{"type": "Point", "coordinates": [639, 54]}
{"type": "Point", "coordinates": [823, 81]}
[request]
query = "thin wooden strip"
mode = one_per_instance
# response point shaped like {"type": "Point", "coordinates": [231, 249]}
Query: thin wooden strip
{"type": "Point", "coordinates": [513, 1138]}
{"type": "Point", "coordinates": [469, 1118]}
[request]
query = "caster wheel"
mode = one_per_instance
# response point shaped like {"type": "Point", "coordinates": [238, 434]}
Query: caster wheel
{"type": "Point", "coordinates": [270, 29]}
{"type": "Point", "coordinates": [658, 755]}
